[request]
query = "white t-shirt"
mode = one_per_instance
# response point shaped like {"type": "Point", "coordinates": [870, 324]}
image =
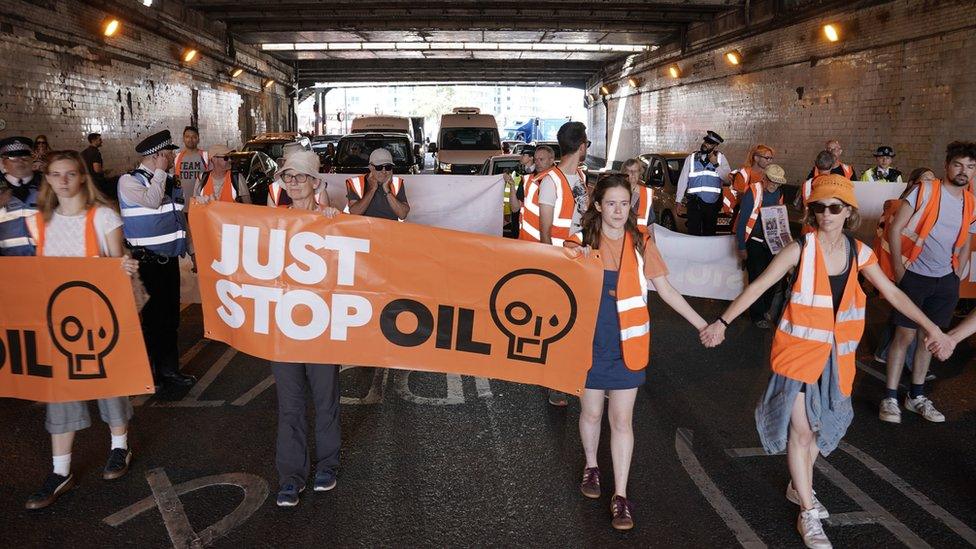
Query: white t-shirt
{"type": "Point", "coordinates": [65, 235]}
{"type": "Point", "coordinates": [547, 196]}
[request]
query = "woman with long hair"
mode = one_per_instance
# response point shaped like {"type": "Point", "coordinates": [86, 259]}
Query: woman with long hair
{"type": "Point", "coordinates": [621, 343]}
{"type": "Point", "coordinates": [41, 150]}
{"type": "Point", "coordinates": [75, 220]}
{"type": "Point", "coordinates": [807, 408]}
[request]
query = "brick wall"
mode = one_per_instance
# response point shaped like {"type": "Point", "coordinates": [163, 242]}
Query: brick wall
{"type": "Point", "coordinates": [902, 76]}
{"type": "Point", "coordinates": [60, 78]}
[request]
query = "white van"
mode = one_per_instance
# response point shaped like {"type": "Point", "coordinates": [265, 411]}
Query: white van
{"type": "Point", "coordinates": [382, 124]}
{"type": "Point", "coordinates": [467, 139]}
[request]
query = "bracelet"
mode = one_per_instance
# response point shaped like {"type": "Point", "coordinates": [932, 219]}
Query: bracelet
{"type": "Point", "coordinates": [722, 320]}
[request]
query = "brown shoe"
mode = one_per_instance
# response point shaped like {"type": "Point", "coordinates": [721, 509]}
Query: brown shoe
{"type": "Point", "coordinates": [118, 463]}
{"type": "Point", "coordinates": [621, 509]}
{"type": "Point", "coordinates": [591, 482]}
{"type": "Point", "coordinates": [54, 485]}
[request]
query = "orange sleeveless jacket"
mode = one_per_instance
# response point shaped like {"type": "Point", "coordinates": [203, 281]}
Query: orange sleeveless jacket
{"type": "Point", "coordinates": [38, 229]}
{"type": "Point", "coordinates": [562, 213]}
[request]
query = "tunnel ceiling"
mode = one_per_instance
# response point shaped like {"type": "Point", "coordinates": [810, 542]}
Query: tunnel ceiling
{"type": "Point", "coordinates": [560, 42]}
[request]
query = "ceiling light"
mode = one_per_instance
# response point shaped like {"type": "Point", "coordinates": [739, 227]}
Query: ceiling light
{"type": "Point", "coordinates": [236, 71]}
{"type": "Point", "coordinates": [831, 32]}
{"type": "Point", "coordinates": [189, 54]}
{"type": "Point", "coordinates": [268, 83]}
{"type": "Point", "coordinates": [674, 71]}
{"type": "Point", "coordinates": [634, 82]}
{"type": "Point", "coordinates": [147, 3]}
{"type": "Point", "coordinates": [111, 27]}
{"type": "Point", "coordinates": [733, 57]}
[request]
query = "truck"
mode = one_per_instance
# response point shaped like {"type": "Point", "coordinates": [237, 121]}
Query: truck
{"type": "Point", "coordinates": [535, 129]}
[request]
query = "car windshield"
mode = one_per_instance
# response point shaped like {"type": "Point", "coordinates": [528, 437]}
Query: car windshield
{"type": "Point", "coordinates": [504, 166]}
{"type": "Point", "coordinates": [273, 149]}
{"type": "Point", "coordinates": [469, 139]}
{"type": "Point", "coordinates": [674, 168]}
{"type": "Point", "coordinates": [354, 151]}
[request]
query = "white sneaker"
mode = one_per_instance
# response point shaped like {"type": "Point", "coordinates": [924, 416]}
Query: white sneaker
{"type": "Point", "coordinates": [808, 525]}
{"type": "Point", "coordinates": [794, 496]}
{"type": "Point", "coordinates": [924, 407]}
{"type": "Point", "coordinates": [889, 410]}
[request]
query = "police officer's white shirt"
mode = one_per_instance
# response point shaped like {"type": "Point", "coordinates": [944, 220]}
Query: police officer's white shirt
{"type": "Point", "coordinates": [16, 181]}
{"type": "Point", "coordinates": [133, 191]}
{"type": "Point", "coordinates": [723, 170]}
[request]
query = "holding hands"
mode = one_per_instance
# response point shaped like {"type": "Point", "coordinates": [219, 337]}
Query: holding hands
{"type": "Point", "coordinates": [940, 344]}
{"type": "Point", "coordinates": [712, 335]}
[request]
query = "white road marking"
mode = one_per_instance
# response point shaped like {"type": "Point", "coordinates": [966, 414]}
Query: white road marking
{"type": "Point", "coordinates": [184, 360]}
{"type": "Point", "coordinates": [455, 390]}
{"type": "Point", "coordinates": [192, 398]}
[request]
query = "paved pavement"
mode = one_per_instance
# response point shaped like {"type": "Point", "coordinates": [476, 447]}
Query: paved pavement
{"type": "Point", "coordinates": [435, 460]}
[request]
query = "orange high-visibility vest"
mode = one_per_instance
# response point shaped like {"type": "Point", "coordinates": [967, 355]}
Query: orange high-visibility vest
{"type": "Point", "coordinates": [848, 172]}
{"type": "Point", "coordinates": [645, 203]}
{"type": "Point", "coordinates": [635, 320]}
{"type": "Point", "coordinates": [204, 156]}
{"type": "Point", "coordinates": [275, 192]}
{"type": "Point", "coordinates": [227, 191]}
{"type": "Point", "coordinates": [358, 185]}
{"type": "Point", "coordinates": [757, 196]}
{"type": "Point", "coordinates": [925, 217]}
{"type": "Point", "coordinates": [562, 218]}
{"type": "Point", "coordinates": [881, 247]}
{"type": "Point", "coordinates": [38, 228]}
{"type": "Point", "coordinates": [809, 328]}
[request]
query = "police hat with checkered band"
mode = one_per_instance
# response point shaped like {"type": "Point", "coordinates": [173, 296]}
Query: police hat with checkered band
{"type": "Point", "coordinates": [156, 142]}
{"type": "Point", "coordinates": [16, 146]}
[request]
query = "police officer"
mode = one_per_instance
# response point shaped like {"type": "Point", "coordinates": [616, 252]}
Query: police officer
{"type": "Point", "coordinates": [155, 229]}
{"type": "Point", "coordinates": [701, 178]}
{"type": "Point", "coordinates": [883, 172]}
{"type": "Point", "coordinates": [18, 195]}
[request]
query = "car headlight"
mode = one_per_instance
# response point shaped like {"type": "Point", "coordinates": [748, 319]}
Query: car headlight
{"type": "Point", "coordinates": [444, 166]}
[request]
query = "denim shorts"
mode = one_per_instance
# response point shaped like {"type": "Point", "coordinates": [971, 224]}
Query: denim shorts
{"type": "Point", "coordinates": [935, 296]}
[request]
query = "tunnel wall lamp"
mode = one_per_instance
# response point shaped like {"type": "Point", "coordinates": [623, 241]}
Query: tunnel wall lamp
{"type": "Point", "coordinates": [733, 57]}
{"type": "Point", "coordinates": [111, 27]}
{"type": "Point", "coordinates": [634, 82]}
{"type": "Point", "coordinates": [189, 54]}
{"type": "Point", "coordinates": [674, 71]}
{"type": "Point", "coordinates": [831, 32]}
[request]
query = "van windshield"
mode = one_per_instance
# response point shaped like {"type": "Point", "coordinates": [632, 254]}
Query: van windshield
{"type": "Point", "coordinates": [469, 139]}
{"type": "Point", "coordinates": [355, 150]}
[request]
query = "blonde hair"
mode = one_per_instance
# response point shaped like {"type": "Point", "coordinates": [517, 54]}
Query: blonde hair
{"type": "Point", "coordinates": [757, 149]}
{"type": "Point", "coordinates": [47, 200]}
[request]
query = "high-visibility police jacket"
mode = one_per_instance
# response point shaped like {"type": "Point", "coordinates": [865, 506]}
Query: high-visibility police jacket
{"type": "Point", "coordinates": [15, 239]}
{"type": "Point", "coordinates": [809, 328]}
{"type": "Point", "coordinates": [757, 199]}
{"type": "Point", "coordinates": [704, 181]}
{"type": "Point", "coordinates": [357, 185]}
{"type": "Point", "coordinates": [562, 217]}
{"type": "Point", "coordinates": [925, 217]}
{"type": "Point", "coordinates": [162, 230]}
{"type": "Point", "coordinates": [874, 174]}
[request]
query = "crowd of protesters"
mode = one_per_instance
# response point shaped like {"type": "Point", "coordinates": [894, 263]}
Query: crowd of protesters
{"type": "Point", "coordinates": [60, 203]}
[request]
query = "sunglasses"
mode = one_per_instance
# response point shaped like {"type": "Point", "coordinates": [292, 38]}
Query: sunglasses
{"type": "Point", "coordinates": [383, 167]}
{"type": "Point", "coordinates": [819, 208]}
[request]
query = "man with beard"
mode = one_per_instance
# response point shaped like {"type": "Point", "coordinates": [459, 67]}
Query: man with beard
{"type": "Point", "coordinates": [929, 242]}
{"type": "Point", "coordinates": [701, 179]}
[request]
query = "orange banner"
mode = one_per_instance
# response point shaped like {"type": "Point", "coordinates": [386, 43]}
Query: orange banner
{"type": "Point", "coordinates": [70, 330]}
{"type": "Point", "coordinates": [297, 287]}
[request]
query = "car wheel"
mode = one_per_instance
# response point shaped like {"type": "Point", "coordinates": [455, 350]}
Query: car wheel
{"type": "Point", "coordinates": [667, 221]}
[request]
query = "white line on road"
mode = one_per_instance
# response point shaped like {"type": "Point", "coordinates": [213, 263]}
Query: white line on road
{"type": "Point", "coordinates": [876, 374]}
{"type": "Point", "coordinates": [192, 398]}
{"type": "Point", "coordinates": [189, 355]}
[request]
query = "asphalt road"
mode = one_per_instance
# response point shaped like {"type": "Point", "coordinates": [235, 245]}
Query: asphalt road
{"type": "Point", "coordinates": [435, 460]}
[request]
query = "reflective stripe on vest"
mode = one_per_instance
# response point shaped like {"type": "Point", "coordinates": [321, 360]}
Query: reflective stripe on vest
{"type": "Point", "coordinates": [635, 320]}
{"type": "Point", "coordinates": [38, 229]}
{"type": "Point", "coordinates": [809, 328]}
{"type": "Point", "coordinates": [562, 213]}
{"type": "Point", "coordinates": [358, 185]}
{"type": "Point", "coordinates": [228, 190]}
{"type": "Point", "coordinates": [645, 204]}
{"type": "Point", "coordinates": [162, 230]}
{"type": "Point", "coordinates": [704, 182]}
{"type": "Point", "coordinates": [757, 198]}
{"type": "Point", "coordinates": [275, 192]}
{"type": "Point", "coordinates": [926, 216]}
{"type": "Point", "coordinates": [15, 239]}
{"type": "Point", "coordinates": [881, 246]}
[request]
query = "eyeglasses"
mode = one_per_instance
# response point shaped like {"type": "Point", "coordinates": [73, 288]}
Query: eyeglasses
{"type": "Point", "coordinates": [819, 208]}
{"type": "Point", "coordinates": [383, 167]}
{"type": "Point", "coordinates": [298, 177]}
{"type": "Point", "coordinates": [589, 144]}
{"type": "Point", "coordinates": [764, 157]}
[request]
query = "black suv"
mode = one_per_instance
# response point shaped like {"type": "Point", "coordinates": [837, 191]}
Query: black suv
{"type": "Point", "coordinates": [352, 153]}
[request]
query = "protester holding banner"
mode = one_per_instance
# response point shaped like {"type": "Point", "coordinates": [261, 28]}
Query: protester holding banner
{"type": "Point", "coordinates": [543, 158]}
{"type": "Point", "coordinates": [807, 404]}
{"type": "Point", "coordinates": [929, 242]}
{"type": "Point", "coordinates": [555, 201]}
{"type": "Point", "coordinates": [378, 193]}
{"type": "Point", "coordinates": [750, 238]}
{"type": "Point", "coordinates": [304, 186]}
{"type": "Point", "coordinates": [621, 344]}
{"type": "Point", "coordinates": [75, 220]}
{"type": "Point", "coordinates": [219, 181]}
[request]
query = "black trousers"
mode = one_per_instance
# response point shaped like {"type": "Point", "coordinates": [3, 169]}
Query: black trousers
{"type": "Point", "coordinates": [161, 314]}
{"type": "Point", "coordinates": [758, 257]}
{"type": "Point", "coordinates": [702, 216]}
{"type": "Point", "coordinates": [293, 381]}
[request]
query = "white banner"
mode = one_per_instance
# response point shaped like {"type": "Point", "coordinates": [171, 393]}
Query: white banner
{"type": "Point", "coordinates": [871, 197]}
{"type": "Point", "coordinates": [701, 266]}
{"type": "Point", "coordinates": [470, 203]}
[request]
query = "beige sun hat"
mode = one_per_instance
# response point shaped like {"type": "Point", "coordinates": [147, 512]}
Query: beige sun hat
{"type": "Point", "coordinates": [306, 162]}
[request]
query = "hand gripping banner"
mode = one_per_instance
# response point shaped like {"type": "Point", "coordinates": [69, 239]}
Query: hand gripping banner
{"type": "Point", "coordinates": [70, 330]}
{"type": "Point", "coordinates": [294, 286]}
